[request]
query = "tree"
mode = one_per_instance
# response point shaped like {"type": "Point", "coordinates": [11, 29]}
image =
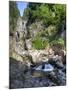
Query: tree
{"type": "Point", "coordinates": [13, 15]}
{"type": "Point", "coordinates": [49, 13]}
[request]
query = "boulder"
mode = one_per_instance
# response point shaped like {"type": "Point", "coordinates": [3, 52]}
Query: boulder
{"type": "Point", "coordinates": [56, 61]}
{"type": "Point", "coordinates": [38, 55]}
{"type": "Point", "coordinates": [16, 84]}
{"type": "Point", "coordinates": [63, 55]}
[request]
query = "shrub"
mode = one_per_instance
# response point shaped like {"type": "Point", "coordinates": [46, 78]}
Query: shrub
{"type": "Point", "coordinates": [39, 43]}
{"type": "Point", "coordinates": [58, 41]}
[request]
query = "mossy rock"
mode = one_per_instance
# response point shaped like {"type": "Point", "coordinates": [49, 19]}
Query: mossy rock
{"type": "Point", "coordinates": [40, 43]}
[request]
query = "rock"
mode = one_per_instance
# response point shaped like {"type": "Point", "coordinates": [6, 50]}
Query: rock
{"type": "Point", "coordinates": [58, 50]}
{"type": "Point", "coordinates": [56, 61]}
{"type": "Point", "coordinates": [17, 57]}
{"type": "Point", "coordinates": [21, 27]}
{"type": "Point", "coordinates": [63, 35]}
{"type": "Point", "coordinates": [16, 84]}
{"type": "Point", "coordinates": [59, 64]}
{"type": "Point", "coordinates": [64, 69]}
{"type": "Point", "coordinates": [58, 77]}
{"type": "Point", "coordinates": [51, 52]}
{"type": "Point", "coordinates": [63, 55]}
{"type": "Point", "coordinates": [28, 44]}
{"type": "Point", "coordinates": [22, 77]}
{"type": "Point", "coordinates": [37, 55]}
{"type": "Point", "coordinates": [43, 58]}
{"type": "Point", "coordinates": [17, 69]}
{"type": "Point", "coordinates": [42, 70]}
{"type": "Point", "coordinates": [35, 68]}
{"type": "Point", "coordinates": [35, 28]}
{"type": "Point", "coordinates": [62, 77]}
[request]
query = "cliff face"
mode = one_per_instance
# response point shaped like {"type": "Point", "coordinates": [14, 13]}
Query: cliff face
{"type": "Point", "coordinates": [37, 46]}
{"type": "Point", "coordinates": [39, 37]}
{"type": "Point", "coordinates": [16, 40]}
{"type": "Point", "coordinates": [26, 58]}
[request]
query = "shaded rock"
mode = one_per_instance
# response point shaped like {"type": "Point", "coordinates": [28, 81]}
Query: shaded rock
{"type": "Point", "coordinates": [58, 77]}
{"type": "Point", "coordinates": [64, 69]}
{"type": "Point", "coordinates": [17, 69]}
{"type": "Point", "coordinates": [63, 55]}
{"type": "Point", "coordinates": [17, 84]}
{"type": "Point", "coordinates": [42, 70]}
{"type": "Point", "coordinates": [22, 77]}
{"type": "Point", "coordinates": [62, 77]}
{"type": "Point", "coordinates": [56, 61]}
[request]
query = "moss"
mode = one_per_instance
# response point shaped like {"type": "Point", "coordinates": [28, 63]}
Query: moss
{"type": "Point", "coordinates": [39, 43]}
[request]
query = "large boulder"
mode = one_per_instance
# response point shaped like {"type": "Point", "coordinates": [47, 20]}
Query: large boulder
{"type": "Point", "coordinates": [56, 61]}
{"type": "Point", "coordinates": [38, 55]}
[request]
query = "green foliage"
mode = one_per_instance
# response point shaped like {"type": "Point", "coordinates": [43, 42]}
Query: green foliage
{"type": "Point", "coordinates": [49, 13]}
{"type": "Point", "coordinates": [34, 26]}
{"type": "Point", "coordinates": [13, 15]}
{"type": "Point", "coordinates": [48, 33]}
{"type": "Point", "coordinates": [58, 41]}
{"type": "Point", "coordinates": [53, 17]}
{"type": "Point", "coordinates": [39, 43]}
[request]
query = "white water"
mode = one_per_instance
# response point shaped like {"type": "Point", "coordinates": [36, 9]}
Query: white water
{"type": "Point", "coordinates": [47, 68]}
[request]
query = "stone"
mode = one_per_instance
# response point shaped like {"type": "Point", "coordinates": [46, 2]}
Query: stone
{"type": "Point", "coordinates": [56, 61]}
{"type": "Point", "coordinates": [17, 84]}
{"type": "Point", "coordinates": [28, 44]}
{"type": "Point", "coordinates": [35, 68]}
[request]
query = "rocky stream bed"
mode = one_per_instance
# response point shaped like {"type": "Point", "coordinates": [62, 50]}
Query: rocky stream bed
{"type": "Point", "coordinates": [23, 77]}
{"type": "Point", "coordinates": [34, 68]}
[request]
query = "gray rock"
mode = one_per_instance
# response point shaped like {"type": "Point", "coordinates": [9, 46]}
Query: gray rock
{"type": "Point", "coordinates": [56, 61]}
{"type": "Point", "coordinates": [17, 84]}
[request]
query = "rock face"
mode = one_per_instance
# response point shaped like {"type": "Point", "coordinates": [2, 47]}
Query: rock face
{"type": "Point", "coordinates": [21, 27]}
{"type": "Point", "coordinates": [57, 61]}
{"type": "Point", "coordinates": [35, 28]}
{"type": "Point", "coordinates": [28, 44]}
{"type": "Point", "coordinates": [34, 68]}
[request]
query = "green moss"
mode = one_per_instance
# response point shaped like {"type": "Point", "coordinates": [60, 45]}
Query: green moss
{"type": "Point", "coordinates": [39, 43]}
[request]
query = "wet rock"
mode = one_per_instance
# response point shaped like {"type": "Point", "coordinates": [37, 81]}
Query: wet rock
{"type": "Point", "coordinates": [59, 64]}
{"type": "Point", "coordinates": [56, 61]}
{"type": "Point", "coordinates": [62, 53]}
{"type": "Point", "coordinates": [16, 84]}
{"type": "Point", "coordinates": [58, 77]}
{"type": "Point", "coordinates": [42, 70]}
{"type": "Point", "coordinates": [16, 71]}
{"type": "Point", "coordinates": [64, 69]}
{"type": "Point", "coordinates": [62, 77]}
